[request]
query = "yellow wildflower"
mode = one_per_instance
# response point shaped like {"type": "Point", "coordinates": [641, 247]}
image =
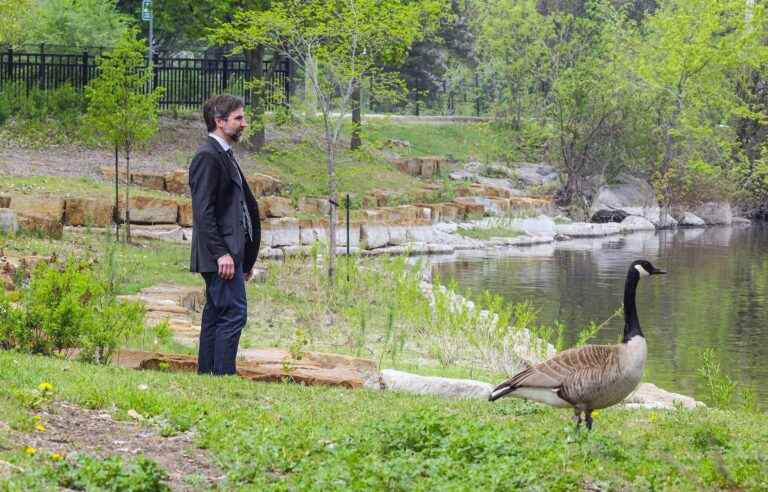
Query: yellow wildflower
{"type": "Point", "coordinates": [595, 413]}
{"type": "Point", "coordinates": [37, 418]}
{"type": "Point", "coordinates": [30, 451]}
{"type": "Point", "coordinates": [45, 387]}
{"type": "Point", "coordinates": [56, 457]}
{"type": "Point", "coordinates": [40, 427]}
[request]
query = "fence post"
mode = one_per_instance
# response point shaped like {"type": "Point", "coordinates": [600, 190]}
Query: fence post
{"type": "Point", "coordinates": [85, 73]}
{"type": "Point", "coordinates": [155, 71]}
{"type": "Point", "coordinates": [10, 64]}
{"type": "Point", "coordinates": [224, 74]}
{"type": "Point", "coordinates": [477, 95]}
{"type": "Point", "coordinates": [41, 68]}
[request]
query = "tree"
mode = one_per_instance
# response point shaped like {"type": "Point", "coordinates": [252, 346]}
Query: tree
{"type": "Point", "coordinates": [337, 44]}
{"type": "Point", "coordinates": [15, 15]}
{"type": "Point", "coordinates": [688, 62]}
{"type": "Point", "coordinates": [121, 111]}
{"type": "Point", "coordinates": [77, 24]}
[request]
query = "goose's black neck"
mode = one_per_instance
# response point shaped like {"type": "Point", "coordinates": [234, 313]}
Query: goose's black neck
{"type": "Point", "coordinates": [631, 322]}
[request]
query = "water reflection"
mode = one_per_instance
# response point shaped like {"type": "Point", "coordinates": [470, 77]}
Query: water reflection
{"type": "Point", "coordinates": [714, 296]}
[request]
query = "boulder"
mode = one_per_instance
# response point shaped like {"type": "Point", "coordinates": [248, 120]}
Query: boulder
{"type": "Point", "coordinates": [314, 205]}
{"type": "Point", "coordinates": [38, 206]}
{"type": "Point", "coordinates": [470, 206]}
{"type": "Point", "coordinates": [689, 219]}
{"type": "Point", "coordinates": [88, 212]}
{"type": "Point", "coordinates": [536, 174]}
{"type": "Point", "coordinates": [275, 207]}
{"type": "Point", "coordinates": [5, 201]}
{"type": "Point", "coordinates": [397, 236]}
{"type": "Point", "coordinates": [628, 196]}
{"type": "Point", "coordinates": [649, 395]}
{"type": "Point", "coordinates": [409, 166]}
{"type": "Point", "coordinates": [272, 365]}
{"type": "Point", "coordinates": [635, 223]}
{"type": "Point", "coordinates": [149, 210]}
{"type": "Point", "coordinates": [741, 221]}
{"type": "Point", "coordinates": [263, 185]}
{"type": "Point", "coordinates": [152, 181]}
{"type": "Point", "coordinates": [424, 385]}
{"type": "Point", "coordinates": [397, 144]}
{"type": "Point", "coordinates": [108, 173]}
{"type": "Point", "coordinates": [177, 181]}
{"type": "Point", "coordinates": [8, 222]}
{"type": "Point", "coordinates": [42, 225]}
{"type": "Point", "coordinates": [587, 229]}
{"type": "Point", "coordinates": [185, 214]}
{"type": "Point", "coordinates": [311, 231]}
{"type": "Point", "coordinates": [715, 213]}
{"type": "Point", "coordinates": [281, 232]}
{"type": "Point", "coordinates": [373, 236]}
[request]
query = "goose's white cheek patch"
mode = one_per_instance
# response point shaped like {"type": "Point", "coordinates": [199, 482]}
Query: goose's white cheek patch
{"type": "Point", "coordinates": [643, 272]}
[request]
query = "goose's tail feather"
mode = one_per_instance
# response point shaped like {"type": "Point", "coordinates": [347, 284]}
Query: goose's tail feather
{"type": "Point", "coordinates": [501, 390]}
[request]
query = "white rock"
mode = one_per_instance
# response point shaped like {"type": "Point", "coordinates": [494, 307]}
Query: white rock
{"type": "Point", "coordinates": [629, 196]}
{"type": "Point", "coordinates": [397, 235]}
{"type": "Point", "coordinates": [8, 222]}
{"type": "Point", "coordinates": [310, 235]}
{"type": "Point", "coordinates": [741, 221]}
{"type": "Point", "coordinates": [636, 223]}
{"type": "Point", "coordinates": [373, 236]}
{"type": "Point", "coordinates": [588, 229]}
{"type": "Point", "coordinates": [282, 236]}
{"type": "Point", "coordinates": [649, 395]}
{"type": "Point", "coordinates": [354, 236]}
{"type": "Point", "coordinates": [689, 219]}
{"type": "Point", "coordinates": [424, 385]}
{"type": "Point", "coordinates": [715, 213]}
{"type": "Point", "coordinates": [541, 226]}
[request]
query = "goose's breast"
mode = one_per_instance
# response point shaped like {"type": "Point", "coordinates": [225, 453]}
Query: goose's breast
{"type": "Point", "coordinates": [627, 376]}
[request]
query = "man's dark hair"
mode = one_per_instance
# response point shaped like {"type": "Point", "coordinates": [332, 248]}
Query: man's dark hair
{"type": "Point", "coordinates": [220, 107]}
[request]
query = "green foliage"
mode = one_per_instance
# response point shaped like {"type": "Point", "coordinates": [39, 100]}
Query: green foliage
{"type": "Point", "coordinates": [120, 111]}
{"type": "Point", "coordinates": [83, 472]}
{"type": "Point", "coordinates": [16, 15]}
{"type": "Point", "coordinates": [65, 309]}
{"type": "Point", "coordinates": [76, 24]}
{"type": "Point", "coordinates": [35, 111]}
{"type": "Point", "coordinates": [720, 387]}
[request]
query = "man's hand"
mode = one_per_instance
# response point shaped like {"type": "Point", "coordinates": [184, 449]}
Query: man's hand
{"type": "Point", "coordinates": [226, 267]}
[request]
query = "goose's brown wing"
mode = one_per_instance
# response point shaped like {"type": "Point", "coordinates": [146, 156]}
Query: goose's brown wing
{"type": "Point", "coordinates": [572, 372]}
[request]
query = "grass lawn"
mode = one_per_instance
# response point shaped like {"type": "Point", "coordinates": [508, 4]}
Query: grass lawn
{"type": "Point", "coordinates": [289, 437]}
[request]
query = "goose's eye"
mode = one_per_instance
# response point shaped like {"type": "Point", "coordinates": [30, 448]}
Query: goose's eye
{"type": "Point", "coordinates": [642, 271]}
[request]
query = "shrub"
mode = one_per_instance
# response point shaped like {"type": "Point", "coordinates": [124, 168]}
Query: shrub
{"type": "Point", "coordinates": [65, 308]}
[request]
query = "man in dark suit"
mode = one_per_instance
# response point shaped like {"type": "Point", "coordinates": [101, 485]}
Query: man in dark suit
{"type": "Point", "coordinates": [225, 234]}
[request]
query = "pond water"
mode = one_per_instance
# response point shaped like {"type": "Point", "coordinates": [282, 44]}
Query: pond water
{"type": "Point", "coordinates": [715, 295]}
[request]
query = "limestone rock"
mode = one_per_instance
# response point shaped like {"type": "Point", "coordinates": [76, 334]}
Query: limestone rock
{"type": "Point", "coordinates": [88, 212]}
{"type": "Point", "coordinates": [715, 213]}
{"type": "Point", "coordinates": [536, 174]}
{"type": "Point", "coordinates": [263, 185]}
{"type": "Point", "coordinates": [689, 219]}
{"type": "Point", "coordinates": [373, 236]}
{"type": "Point", "coordinates": [40, 224]}
{"type": "Point", "coordinates": [636, 223]}
{"type": "Point", "coordinates": [314, 205]}
{"type": "Point", "coordinates": [5, 201]}
{"type": "Point", "coordinates": [423, 385]}
{"type": "Point", "coordinates": [470, 207]}
{"type": "Point", "coordinates": [177, 181]}
{"type": "Point", "coordinates": [649, 395]}
{"type": "Point", "coordinates": [38, 206]}
{"type": "Point", "coordinates": [108, 173]}
{"type": "Point", "coordinates": [185, 214]}
{"type": "Point", "coordinates": [275, 207]}
{"type": "Point", "coordinates": [281, 232]}
{"type": "Point", "coordinates": [741, 221]}
{"type": "Point", "coordinates": [629, 196]}
{"type": "Point", "coordinates": [149, 210]}
{"type": "Point", "coordinates": [8, 222]}
{"type": "Point", "coordinates": [152, 181]}
{"type": "Point", "coordinates": [587, 229]}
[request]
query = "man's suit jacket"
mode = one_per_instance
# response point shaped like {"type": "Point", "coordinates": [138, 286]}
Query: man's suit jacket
{"type": "Point", "coordinates": [216, 210]}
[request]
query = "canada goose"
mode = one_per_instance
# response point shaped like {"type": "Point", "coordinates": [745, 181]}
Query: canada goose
{"type": "Point", "coordinates": [590, 377]}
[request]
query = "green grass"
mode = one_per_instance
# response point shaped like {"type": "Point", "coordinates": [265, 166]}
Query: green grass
{"type": "Point", "coordinates": [72, 187]}
{"type": "Point", "coordinates": [289, 437]}
{"type": "Point", "coordinates": [490, 232]}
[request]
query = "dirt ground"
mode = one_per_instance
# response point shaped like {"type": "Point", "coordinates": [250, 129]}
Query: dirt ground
{"type": "Point", "coordinates": [70, 428]}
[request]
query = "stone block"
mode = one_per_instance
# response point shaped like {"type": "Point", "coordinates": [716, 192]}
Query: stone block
{"type": "Point", "coordinates": [108, 173]}
{"type": "Point", "coordinates": [314, 205]}
{"type": "Point", "coordinates": [88, 212]}
{"type": "Point", "coordinates": [397, 236]}
{"type": "Point", "coordinates": [8, 222]}
{"type": "Point", "coordinates": [185, 214]}
{"type": "Point", "coordinates": [355, 234]}
{"type": "Point", "coordinates": [281, 232]}
{"type": "Point", "coordinates": [152, 181]}
{"type": "Point", "coordinates": [263, 185]}
{"type": "Point", "coordinates": [469, 207]}
{"type": "Point", "coordinates": [275, 207]}
{"type": "Point", "coordinates": [39, 224]}
{"type": "Point", "coordinates": [149, 210]}
{"type": "Point", "coordinates": [374, 236]}
{"type": "Point", "coordinates": [5, 202]}
{"type": "Point", "coordinates": [38, 206]}
{"type": "Point", "coordinates": [177, 181]}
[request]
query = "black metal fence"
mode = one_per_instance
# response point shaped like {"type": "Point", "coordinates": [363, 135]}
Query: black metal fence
{"type": "Point", "coordinates": [188, 82]}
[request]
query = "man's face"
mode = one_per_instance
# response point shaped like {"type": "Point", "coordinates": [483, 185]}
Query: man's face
{"type": "Point", "coordinates": [234, 125]}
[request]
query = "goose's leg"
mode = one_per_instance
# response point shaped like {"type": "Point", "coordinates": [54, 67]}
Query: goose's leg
{"type": "Point", "coordinates": [588, 414]}
{"type": "Point", "coordinates": [577, 418]}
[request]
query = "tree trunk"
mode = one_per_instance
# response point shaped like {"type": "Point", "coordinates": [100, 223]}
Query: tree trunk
{"type": "Point", "coordinates": [127, 193]}
{"type": "Point", "coordinates": [255, 60]}
{"type": "Point", "coordinates": [356, 141]}
{"type": "Point", "coordinates": [116, 214]}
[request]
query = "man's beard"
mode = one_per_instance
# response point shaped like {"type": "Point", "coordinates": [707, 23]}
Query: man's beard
{"type": "Point", "coordinates": [235, 136]}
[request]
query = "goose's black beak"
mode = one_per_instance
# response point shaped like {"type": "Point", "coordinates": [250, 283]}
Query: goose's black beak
{"type": "Point", "coordinates": [658, 272]}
